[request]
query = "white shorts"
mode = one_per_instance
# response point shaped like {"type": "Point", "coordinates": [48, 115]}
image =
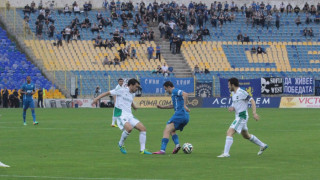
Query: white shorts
{"type": "Point", "coordinates": [123, 119]}
{"type": "Point", "coordinates": [239, 125]}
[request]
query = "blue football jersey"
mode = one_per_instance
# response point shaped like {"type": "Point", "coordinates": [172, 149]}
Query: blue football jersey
{"type": "Point", "coordinates": [177, 100]}
{"type": "Point", "coordinates": [28, 88]}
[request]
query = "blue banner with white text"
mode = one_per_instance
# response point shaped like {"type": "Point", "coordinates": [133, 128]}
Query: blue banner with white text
{"type": "Point", "coordinates": [261, 102]}
{"type": "Point", "coordinates": [252, 86]}
{"type": "Point", "coordinates": [155, 85]}
{"type": "Point", "coordinates": [296, 86]}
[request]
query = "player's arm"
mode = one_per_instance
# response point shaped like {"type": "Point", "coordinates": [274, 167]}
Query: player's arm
{"type": "Point", "coordinates": [22, 91]}
{"type": "Point", "coordinates": [134, 106]}
{"type": "Point", "coordinates": [33, 90]}
{"type": "Point", "coordinates": [185, 97]}
{"type": "Point", "coordinates": [254, 108]}
{"type": "Point", "coordinates": [165, 107]}
{"type": "Point", "coordinates": [99, 97]}
{"type": "Point", "coordinates": [231, 108]}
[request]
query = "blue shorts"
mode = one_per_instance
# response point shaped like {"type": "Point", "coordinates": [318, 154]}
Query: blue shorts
{"type": "Point", "coordinates": [28, 103]}
{"type": "Point", "coordinates": [179, 120]}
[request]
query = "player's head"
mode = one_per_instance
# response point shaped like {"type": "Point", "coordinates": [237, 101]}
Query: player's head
{"type": "Point", "coordinates": [28, 79]}
{"type": "Point", "coordinates": [133, 85]}
{"type": "Point", "coordinates": [233, 83]}
{"type": "Point", "coordinates": [120, 81]}
{"type": "Point", "coordinates": [168, 86]}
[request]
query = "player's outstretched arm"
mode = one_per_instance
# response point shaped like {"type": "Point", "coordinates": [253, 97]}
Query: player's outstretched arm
{"type": "Point", "coordinates": [99, 97]}
{"type": "Point", "coordinates": [185, 97]}
{"type": "Point", "coordinates": [134, 106]}
{"type": "Point", "coordinates": [254, 108]}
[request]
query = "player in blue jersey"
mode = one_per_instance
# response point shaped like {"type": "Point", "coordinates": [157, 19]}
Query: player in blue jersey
{"type": "Point", "coordinates": [28, 90]}
{"type": "Point", "coordinates": [178, 121]}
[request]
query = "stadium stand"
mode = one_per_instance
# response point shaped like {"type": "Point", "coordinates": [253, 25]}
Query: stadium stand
{"type": "Point", "coordinates": [14, 67]}
{"type": "Point", "coordinates": [81, 59]}
{"type": "Point", "coordinates": [288, 50]}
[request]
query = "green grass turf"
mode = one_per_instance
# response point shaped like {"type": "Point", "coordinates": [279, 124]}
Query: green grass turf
{"type": "Point", "coordinates": [80, 143]}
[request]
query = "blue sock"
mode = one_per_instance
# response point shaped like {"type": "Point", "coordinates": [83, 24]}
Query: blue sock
{"type": "Point", "coordinates": [175, 139]}
{"type": "Point", "coordinates": [24, 115]}
{"type": "Point", "coordinates": [164, 144]}
{"type": "Point", "coordinates": [33, 115]}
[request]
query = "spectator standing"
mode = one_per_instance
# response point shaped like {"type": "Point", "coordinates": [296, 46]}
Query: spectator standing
{"type": "Point", "coordinates": [158, 52]}
{"type": "Point", "coordinates": [5, 97]}
{"type": "Point", "coordinates": [68, 33]}
{"type": "Point", "coordinates": [16, 98]}
{"type": "Point", "coordinates": [174, 45]}
{"type": "Point", "coordinates": [40, 98]}
{"type": "Point", "coordinates": [178, 44]}
{"type": "Point", "coordinates": [97, 92]}
{"type": "Point", "coordinates": [59, 39]}
{"type": "Point", "coordinates": [51, 30]}
{"type": "Point", "coordinates": [133, 53]}
{"type": "Point", "coordinates": [150, 52]}
{"type": "Point", "coordinates": [278, 21]}
{"type": "Point", "coordinates": [86, 8]}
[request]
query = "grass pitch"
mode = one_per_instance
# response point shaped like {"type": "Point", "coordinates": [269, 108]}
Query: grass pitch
{"type": "Point", "coordinates": [80, 144]}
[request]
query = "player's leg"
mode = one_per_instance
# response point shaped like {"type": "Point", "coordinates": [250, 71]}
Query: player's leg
{"type": "Point", "coordinates": [127, 128]}
{"type": "Point", "coordinates": [228, 143]}
{"type": "Point", "coordinates": [113, 119]}
{"type": "Point", "coordinates": [245, 134]}
{"type": "Point", "coordinates": [175, 139]}
{"type": "Point", "coordinates": [25, 107]}
{"type": "Point", "coordinates": [33, 112]}
{"type": "Point", "coordinates": [237, 125]}
{"type": "Point", "coordinates": [142, 137]}
{"type": "Point", "coordinates": [165, 139]}
{"type": "Point", "coordinates": [182, 122]}
{"type": "Point", "coordinates": [3, 165]}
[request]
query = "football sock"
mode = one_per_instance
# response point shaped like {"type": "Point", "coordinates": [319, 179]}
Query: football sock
{"type": "Point", "coordinates": [24, 115]}
{"type": "Point", "coordinates": [113, 120]}
{"type": "Point", "coordinates": [33, 115]}
{"type": "Point", "coordinates": [175, 139]}
{"type": "Point", "coordinates": [124, 136]}
{"type": "Point", "coordinates": [257, 141]}
{"type": "Point", "coordinates": [164, 144]}
{"type": "Point", "coordinates": [229, 141]}
{"type": "Point", "coordinates": [142, 139]}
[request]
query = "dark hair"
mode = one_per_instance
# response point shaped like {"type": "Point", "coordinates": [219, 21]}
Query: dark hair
{"type": "Point", "coordinates": [120, 79]}
{"type": "Point", "coordinates": [168, 84]}
{"type": "Point", "coordinates": [234, 81]}
{"type": "Point", "coordinates": [133, 81]}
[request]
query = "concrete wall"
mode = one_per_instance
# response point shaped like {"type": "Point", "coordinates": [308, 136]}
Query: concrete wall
{"type": "Point", "coordinates": [98, 3]}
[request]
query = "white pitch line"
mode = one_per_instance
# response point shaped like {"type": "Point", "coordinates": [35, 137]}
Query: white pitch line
{"type": "Point", "coordinates": [84, 178]}
{"type": "Point", "coordinates": [37, 128]}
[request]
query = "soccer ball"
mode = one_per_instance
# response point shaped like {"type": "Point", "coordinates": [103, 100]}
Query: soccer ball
{"type": "Point", "coordinates": [187, 148]}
